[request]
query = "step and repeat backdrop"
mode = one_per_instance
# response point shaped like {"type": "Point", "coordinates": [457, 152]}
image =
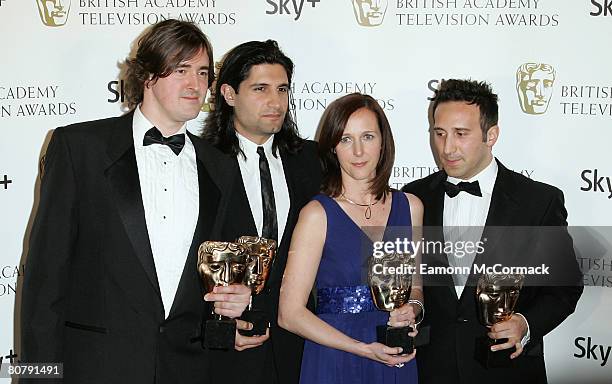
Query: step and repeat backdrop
{"type": "Point", "coordinates": [548, 60]}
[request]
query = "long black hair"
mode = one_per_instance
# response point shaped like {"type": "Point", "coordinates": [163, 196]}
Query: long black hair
{"type": "Point", "coordinates": [219, 124]}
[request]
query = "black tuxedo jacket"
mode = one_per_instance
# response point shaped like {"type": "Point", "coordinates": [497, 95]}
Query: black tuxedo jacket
{"type": "Point", "coordinates": [283, 351]}
{"type": "Point", "coordinates": [91, 298]}
{"type": "Point", "coordinates": [516, 201]}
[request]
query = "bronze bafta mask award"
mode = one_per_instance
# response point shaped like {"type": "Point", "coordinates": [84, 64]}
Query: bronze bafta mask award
{"type": "Point", "coordinates": [221, 264]}
{"type": "Point", "coordinates": [496, 295]}
{"type": "Point", "coordinates": [259, 262]}
{"type": "Point", "coordinates": [390, 280]}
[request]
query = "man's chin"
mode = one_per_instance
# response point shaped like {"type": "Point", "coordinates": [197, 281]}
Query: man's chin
{"type": "Point", "coordinates": [191, 115]}
{"type": "Point", "coordinates": [276, 129]}
{"type": "Point", "coordinates": [453, 172]}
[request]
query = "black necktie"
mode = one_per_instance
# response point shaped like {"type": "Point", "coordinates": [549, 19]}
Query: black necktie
{"type": "Point", "coordinates": [453, 190]}
{"type": "Point", "coordinates": [174, 142]}
{"type": "Point", "coordinates": [270, 227]}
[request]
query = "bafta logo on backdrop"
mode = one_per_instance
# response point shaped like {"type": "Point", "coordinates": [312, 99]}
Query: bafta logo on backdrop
{"type": "Point", "coordinates": [370, 13]}
{"type": "Point", "coordinates": [534, 85]}
{"type": "Point", "coordinates": [53, 13]}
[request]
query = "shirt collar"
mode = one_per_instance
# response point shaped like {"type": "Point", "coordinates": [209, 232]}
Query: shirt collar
{"type": "Point", "coordinates": [140, 126]}
{"type": "Point", "coordinates": [486, 177]}
{"type": "Point", "coordinates": [250, 148]}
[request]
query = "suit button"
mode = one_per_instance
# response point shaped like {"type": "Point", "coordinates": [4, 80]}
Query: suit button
{"type": "Point", "coordinates": [461, 320]}
{"type": "Point", "coordinates": [161, 329]}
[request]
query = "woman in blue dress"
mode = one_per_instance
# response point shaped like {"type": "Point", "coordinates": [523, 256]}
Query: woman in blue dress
{"type": "Point", "coordinates": [331, 243]}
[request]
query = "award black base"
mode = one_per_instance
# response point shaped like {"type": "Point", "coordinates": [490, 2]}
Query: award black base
{"type": "Point", "coordinates": [259, 319]}
{"type": "Point", "coordinates": [490, 359]}
{"type": "Point", "coordinates": [220, 334]}
{"type": "Point", "coordinates": [395, 337]}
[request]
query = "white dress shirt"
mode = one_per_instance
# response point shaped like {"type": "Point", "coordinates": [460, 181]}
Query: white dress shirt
{"type": "Point", "coordinates": [465, 216]}
{"type": "Point", "coordinates": [249, 169]}
{"type": "Point", "coordinates": [170, 196]}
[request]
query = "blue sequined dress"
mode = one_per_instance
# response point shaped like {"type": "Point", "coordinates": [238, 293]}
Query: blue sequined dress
{"type": "Point", "coordinates": [344, 300]}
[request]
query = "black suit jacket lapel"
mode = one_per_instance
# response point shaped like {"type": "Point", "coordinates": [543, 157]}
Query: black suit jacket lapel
{"type": "Point", "coordinates": [434, 201]}
{"type": "Point", "coordinates": [122, 175]}
{"type": "Point", "coordinates": [433, 230]}
{"type": "Point", "coordinates": [292, 175]}
{"type": "Point", "coordinates": [503, 205]}
{"type": "Point", "coordinates": [502, 210]}
{"type": "Point", "coordinates": [215, 178]}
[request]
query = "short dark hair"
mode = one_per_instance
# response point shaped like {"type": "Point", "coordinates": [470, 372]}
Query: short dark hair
{"type": "Point", "coordinates": [330, 130]}
{"type": "Point", "coordinates": [219, 127]}
{"type": "Point", "coordinates": [161, 49]}
{"type": "Point", "coordinates": [471, 92]}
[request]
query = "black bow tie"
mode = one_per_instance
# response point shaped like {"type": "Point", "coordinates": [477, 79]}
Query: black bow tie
{"type": "Point", "coordinates": [174, 142]}
{"type": "Point", "coordinates": [453, 190]}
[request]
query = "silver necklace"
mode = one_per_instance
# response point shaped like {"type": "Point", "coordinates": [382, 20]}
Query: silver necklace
{"type": "Point", "coordinates": [368, 211]}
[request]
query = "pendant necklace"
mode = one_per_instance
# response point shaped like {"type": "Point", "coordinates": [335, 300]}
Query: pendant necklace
{"type": "Point", "coordinates": [368, 211]}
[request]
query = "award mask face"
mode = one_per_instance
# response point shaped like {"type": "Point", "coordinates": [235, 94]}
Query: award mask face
{"type": "Point", "coordinates": [390, 280]}
{"type": "Point", "coordinates": [497, 296]}
{"type": "Point", "coordinates": [370, 13]}
{"type": "Point", "coordinates": [53, 13]}
{"type": "Point", "coordinates": [221, 263]}
{"type": "Point", "coordinates": [261, 255]}
{"type": "Point", "coordinates": [534, 85]}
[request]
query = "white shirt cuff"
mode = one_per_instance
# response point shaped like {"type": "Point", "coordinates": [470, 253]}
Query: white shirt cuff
{"type": "Point", "coordinates": [527, 336]}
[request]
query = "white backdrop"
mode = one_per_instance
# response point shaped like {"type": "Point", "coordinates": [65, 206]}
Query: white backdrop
{"type": "Point", "coordinates": [61, 67]}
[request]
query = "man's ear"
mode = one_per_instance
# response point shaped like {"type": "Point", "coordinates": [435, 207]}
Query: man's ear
{"type": "Point", "coordinates": [148, 83]}
{"type": "Point", "coordinates": [228, 94]}
{"type": "Point", "coordinates": [492, 135]}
